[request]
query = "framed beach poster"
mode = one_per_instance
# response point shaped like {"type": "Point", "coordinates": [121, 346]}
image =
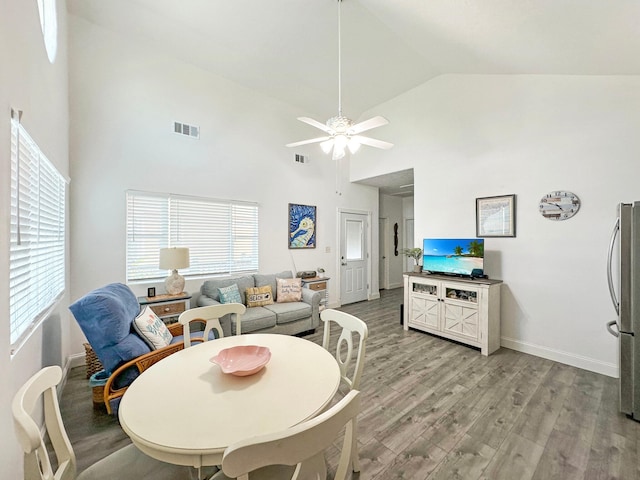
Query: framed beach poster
{"type": "Point", "coordinates": [496, 216]}
{"type": "Point", "coordinates": [302, 226]}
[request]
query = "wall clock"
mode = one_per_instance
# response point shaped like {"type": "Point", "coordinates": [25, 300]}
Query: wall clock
{"type": "Point", "coordinates": [559, 205]}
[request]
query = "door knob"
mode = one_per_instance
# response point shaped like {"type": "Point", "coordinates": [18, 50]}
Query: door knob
{"type": "Point", "coordinates": [344, 264]}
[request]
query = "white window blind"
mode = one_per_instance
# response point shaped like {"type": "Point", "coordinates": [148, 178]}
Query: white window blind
{"type": "Point", "coordinates": [222, 236]}
{"type": "Point", "coordinates": [37, 244]}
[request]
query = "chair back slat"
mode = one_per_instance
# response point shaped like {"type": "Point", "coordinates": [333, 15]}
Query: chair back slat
{"type": "Point", "coordinates": [210, 314]}
{"type": "Point", "coordinates": [350, 325]}
{"type": "Point", "coordinates": [302, 446]}
{"type": "Point", "coordinates": [37, 465]}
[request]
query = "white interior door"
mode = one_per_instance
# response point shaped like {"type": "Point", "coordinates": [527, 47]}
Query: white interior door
{"type": "Point", "coordinates": [353, 257]}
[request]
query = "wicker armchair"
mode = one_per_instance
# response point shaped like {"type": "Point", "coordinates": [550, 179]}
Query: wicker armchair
{"type": "Point", "coordinates": [106, 316]}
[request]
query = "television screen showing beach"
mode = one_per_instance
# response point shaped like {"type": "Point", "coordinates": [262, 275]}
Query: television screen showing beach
{"type": "Point", "coordinates": [458, 256]}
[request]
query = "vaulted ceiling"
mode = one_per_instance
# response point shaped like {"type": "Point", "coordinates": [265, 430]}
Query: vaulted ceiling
{"type": "Point", "coordinates": [287, 49]}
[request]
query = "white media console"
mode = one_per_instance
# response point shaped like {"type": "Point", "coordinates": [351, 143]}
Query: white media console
{"type": "Point", "coordinates": [460, 309]}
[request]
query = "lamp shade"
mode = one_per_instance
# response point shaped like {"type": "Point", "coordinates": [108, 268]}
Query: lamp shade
{"type": "Point", "coordinates": [174, 258]}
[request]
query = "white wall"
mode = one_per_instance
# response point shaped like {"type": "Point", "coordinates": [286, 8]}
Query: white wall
{"type": "Point", "coordinates": [30, 83]}
{"type": "Point", "coordinates": [124, 99]}
{"type": "Point", "coordinates": [476, 136]}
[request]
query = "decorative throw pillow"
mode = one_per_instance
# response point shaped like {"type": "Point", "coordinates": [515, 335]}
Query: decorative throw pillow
{"type": "Point", "coordinates": [151, 329]}
{"type": "Point", "coordinates": [259, 296]}
{"type": "Point", "coordinates": [230, 294]}
{"type": "Point", "coordinates": [289, 290]}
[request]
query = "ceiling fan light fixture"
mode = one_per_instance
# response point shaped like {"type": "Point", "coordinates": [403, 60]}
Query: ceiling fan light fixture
{"type": "Point", "coordinates": [327, 146]}
{"type": "Point", "coordinates": [354, 145]}
{"type": "Point", "coordinates": [343, 132]}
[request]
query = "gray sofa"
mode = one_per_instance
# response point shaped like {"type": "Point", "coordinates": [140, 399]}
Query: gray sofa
{"type": "Point", "coordinates": [288, 318]}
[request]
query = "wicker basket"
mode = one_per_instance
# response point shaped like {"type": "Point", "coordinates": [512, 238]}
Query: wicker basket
{"type": "Point", "coordinates": [93, 362]}
{"type": "Point", "coordinates": [97, 395]}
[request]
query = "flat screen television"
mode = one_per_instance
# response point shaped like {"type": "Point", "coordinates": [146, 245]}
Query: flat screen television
{"type": "Point", "coordinates": [453, 256]}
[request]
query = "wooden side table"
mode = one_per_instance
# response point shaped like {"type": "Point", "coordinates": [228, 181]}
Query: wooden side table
{"type": "Point", "coordinates": [167, 307]}
{"type": "Point", "coordinates": [319, 284]}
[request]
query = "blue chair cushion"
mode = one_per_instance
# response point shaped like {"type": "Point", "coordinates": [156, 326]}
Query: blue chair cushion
{"type": "Point", "coordinates": [105, 316]}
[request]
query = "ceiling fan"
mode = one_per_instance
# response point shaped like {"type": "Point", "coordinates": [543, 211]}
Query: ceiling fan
{"type": "Point", "coordinates": [341, 131]}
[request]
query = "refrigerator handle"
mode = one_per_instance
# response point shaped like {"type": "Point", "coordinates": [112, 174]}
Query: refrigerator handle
{"type": "Point", "coordinates": [613, 332]}
{"type": "Point", "coordinates": [612, 292]}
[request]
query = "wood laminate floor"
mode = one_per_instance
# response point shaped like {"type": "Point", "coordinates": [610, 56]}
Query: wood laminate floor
{"type": "Point", "coordinates": [433, 409]}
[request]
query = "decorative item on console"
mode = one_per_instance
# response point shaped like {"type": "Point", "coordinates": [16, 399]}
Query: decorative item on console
{"type": "Point", "coordinates": [416, 254]}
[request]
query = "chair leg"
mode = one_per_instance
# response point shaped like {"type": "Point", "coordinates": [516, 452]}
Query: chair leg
{"type": "Point", "coordinates": [355, 456]}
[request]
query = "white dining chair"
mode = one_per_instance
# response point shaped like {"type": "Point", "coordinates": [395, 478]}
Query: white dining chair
{"type": "Point", "coordinates": [211, 314]}
{"type": "Point", "coordinates": [298, 452]}
{"type": "Point", "coordinates": [128, 462]}
{"type": "Point", "coordinates": [350, 325]}
{"type": "Point", "coordinates": [349, 374]}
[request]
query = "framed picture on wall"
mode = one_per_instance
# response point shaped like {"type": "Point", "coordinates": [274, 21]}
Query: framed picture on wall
{"type": "Point", "coordinates": [496, 216]}
{"type": "Point", "coordinates": [302, 226]}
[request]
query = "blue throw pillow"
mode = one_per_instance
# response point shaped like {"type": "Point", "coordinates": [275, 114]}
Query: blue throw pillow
{"type": "Point", "coordinates": [230, 294]}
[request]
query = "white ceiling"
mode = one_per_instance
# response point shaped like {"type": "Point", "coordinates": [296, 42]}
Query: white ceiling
{"type": "Point", "coordinates": [288, 49]}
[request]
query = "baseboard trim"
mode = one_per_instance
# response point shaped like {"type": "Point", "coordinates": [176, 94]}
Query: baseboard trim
{"type": "Point", "coordinates": [586, 363]}
{"type": "Point", "coordinates": [395, 285]}
{"type": "Point", "coordinates": [374, 296]}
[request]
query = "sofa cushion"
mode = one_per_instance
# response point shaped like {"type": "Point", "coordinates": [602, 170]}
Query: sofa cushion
{"type": "Point", "coordinates": [105, 316]}
{"type": "Point", "coordinates": [151, 329]}
{"type": "Point", "coordinates": [289, 290]}
{"type": "Point", "coordinates": [287, 312]}
{"type": "Point", "coordinates": [230, 294]}
{"type": "Point", "coordinates": [262, 280]}
{"type": "Point", "coordinates": [210, 287]}
{"type": "Point", "coordinates": [256, 318]}
{"type": "Point", "coordinates": [259, 296]}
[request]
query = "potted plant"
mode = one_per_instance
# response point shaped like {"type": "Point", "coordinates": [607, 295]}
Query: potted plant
{"type": "Point", "coordinates": [416, 254]}
{"type": "Point", "coordinates": [320, 272]}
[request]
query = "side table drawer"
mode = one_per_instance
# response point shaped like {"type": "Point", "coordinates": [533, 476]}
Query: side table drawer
{"type": "Point", "coordinates": [169, 309]}
{"type": "Point", "coordinates": [317, 286]}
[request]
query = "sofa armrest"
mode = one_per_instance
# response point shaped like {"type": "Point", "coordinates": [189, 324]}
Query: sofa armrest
{"type": "Point", "coordinates": [313, 298]}
{"type": "Point", "coordinates": [205, 301]}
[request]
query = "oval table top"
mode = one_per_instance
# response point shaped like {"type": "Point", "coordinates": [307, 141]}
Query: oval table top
{"type": "Point", "coordinates": [184, 410]}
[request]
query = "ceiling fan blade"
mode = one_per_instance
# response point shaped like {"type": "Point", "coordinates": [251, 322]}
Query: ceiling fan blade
{"type": "Point", "coordinates": [305, 142]}
{"type": "Point", "coordinates": [315, 123]}
{"type": "Point", "coordinates": [372, 142]}
{"type": "Point", "coordinates": [368, 124]}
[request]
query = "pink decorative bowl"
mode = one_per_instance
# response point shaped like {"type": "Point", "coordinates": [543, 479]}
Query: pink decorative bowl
{"type": "Point", "coordinates": [242, 360]}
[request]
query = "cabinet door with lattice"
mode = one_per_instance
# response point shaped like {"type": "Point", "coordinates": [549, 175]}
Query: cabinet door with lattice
{"type": "Point", "coordinates": [425, 311]}
{"type": "Point", "coordinates": [460, 311]}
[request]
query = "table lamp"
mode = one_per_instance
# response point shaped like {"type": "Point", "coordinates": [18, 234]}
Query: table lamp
{"type": "Point", "coordinates": [172, 259]}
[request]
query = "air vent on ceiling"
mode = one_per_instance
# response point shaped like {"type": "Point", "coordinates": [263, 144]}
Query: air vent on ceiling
{"type": "Point", "coordinates": [301, 159]}
{"type": "Point", "coordinates": [188, 130]}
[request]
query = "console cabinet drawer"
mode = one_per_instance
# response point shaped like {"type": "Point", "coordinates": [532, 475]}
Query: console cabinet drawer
{"type": "Point", "coordinates": [169, 309]}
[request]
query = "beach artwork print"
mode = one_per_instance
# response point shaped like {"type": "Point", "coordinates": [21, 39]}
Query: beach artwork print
{"type": "Point", "coordinates": [302, 226]}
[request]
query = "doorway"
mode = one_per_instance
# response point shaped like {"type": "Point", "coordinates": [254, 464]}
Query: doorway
{"type": "Point", "coordinates": [383, 256]}
{"type": "Point", "coordinates": [354, 257]}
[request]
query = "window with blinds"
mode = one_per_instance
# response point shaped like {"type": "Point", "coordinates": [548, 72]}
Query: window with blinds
{"type": "Point", "coordinates": [37, 244]}
{"type": "Point", "coordinates": [222, 236]}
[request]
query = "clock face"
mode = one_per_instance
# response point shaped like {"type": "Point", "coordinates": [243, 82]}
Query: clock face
{"type": "Point", "coordinates": [559, 205]}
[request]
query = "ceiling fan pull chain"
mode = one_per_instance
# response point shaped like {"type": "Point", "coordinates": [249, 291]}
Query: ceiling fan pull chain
{"type": "Point", "coordinates": [339, 60]}
{"type": "Point", "coordinates": [342, 132]}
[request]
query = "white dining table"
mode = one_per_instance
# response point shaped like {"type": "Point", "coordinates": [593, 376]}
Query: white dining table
{"type": "Point", "coordinates": [184, 410]}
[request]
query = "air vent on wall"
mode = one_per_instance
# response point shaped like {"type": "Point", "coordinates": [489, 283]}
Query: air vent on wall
{"type": "Point", "coordinates": [188, 130]}
{"type": "Point", "coordinates": [301, 159]}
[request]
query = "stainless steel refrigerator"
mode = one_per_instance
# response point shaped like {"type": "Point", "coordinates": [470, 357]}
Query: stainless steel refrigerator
{"type": "Point", "coordinates": [623, 273]}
